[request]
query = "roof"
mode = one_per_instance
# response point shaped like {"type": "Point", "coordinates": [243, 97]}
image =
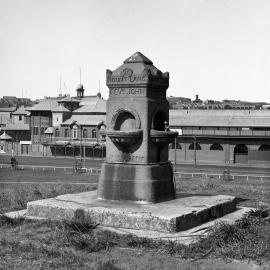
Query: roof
{"type": "Point", "coordinates": [60, 109]}
{"type": "Point", "coordinates": [95, 106]}
{"type": "Point", "coordinates": [49, 130]}
{"type": "Point", "coordinates": [89, 100]}
{"type": "Point", "coordinates": [85, 120]}
{"type": "Point", "coordinates": [21, 110]}
{"type": "Point", "coordinates": [219, 118]}
{"type": "Point", "coordinates": [12, 126]}
{"type": "Point", "coordinates": [5, 136]}
{"type": "Point", "coordinates": [138, 58]}
{"type": "Point", "coordinates": [68, 99]}
{"type": "Point", "coordinates": [12, 100]}
{"type": "Point", "coordinates": [44, 105]}
{"type": "Point", "coordinates": [9, 109]}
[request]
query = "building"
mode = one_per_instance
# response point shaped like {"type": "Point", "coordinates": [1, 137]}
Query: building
{"type": "Point", "coordinates": [21, 116]}
{"type": "Point", "coordinates": [226, 136]}
{"type": "Point", "coordinates": [63, 124]}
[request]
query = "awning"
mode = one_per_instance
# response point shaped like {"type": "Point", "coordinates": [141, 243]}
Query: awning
{"type": "Point", "coordinates": [5, 137]}
{"type": "Point", "coordinates": [49, 130]}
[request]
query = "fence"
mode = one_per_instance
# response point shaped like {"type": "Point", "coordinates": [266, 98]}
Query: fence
{"type": "Point", "coordinates": [223, 175]}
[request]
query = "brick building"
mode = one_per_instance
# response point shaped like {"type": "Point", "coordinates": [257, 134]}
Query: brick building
{"type": "Point", "coordinates": [226, 136]}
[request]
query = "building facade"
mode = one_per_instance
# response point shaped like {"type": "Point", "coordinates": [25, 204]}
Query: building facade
{"type": "Point", "coordinates": [234, 136]}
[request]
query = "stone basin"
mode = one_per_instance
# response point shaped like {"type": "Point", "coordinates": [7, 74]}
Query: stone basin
{"type": "Point", "coordinates": [124, 139]}
{"type": "Point", "coordinates": [162, 138]}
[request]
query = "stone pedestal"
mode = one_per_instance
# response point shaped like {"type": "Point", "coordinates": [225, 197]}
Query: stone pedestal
{"type": "Point", "coordinates": [136, 182]}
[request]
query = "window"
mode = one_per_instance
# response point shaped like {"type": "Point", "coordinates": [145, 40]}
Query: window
{"type": "Point", "coordinates": [42, 130]}
{"type": "Point", "coordinates": [57, 132]}
{"type": "Point", "coordinates": [191, 146]}
{"type": "Point", "coordinates": [75, 132]}
{"type": "Point", "coordinates": [35, 130]}
{"type": "Point", "coordinates": [94, 133]}
{"type": "Point", "coordinates": [20, 117]}
{"type": "Point", "coordinates": [216, 146]}
{"type": "Point", "coordinates": [172, 146]}
{"type": "Point", "coordinates": [66, 132]}
{"type": "Point", "coordinates": [84, 133]}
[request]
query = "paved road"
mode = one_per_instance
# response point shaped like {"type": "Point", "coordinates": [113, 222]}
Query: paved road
{"type": "Point", "coordinates": [96, 163]}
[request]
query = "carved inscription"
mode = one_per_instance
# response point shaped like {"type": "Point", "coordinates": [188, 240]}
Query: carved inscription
{"type": "Point", "coordinates": [127, 92]}
{"type": "Point", "coordinates": [127, 79]}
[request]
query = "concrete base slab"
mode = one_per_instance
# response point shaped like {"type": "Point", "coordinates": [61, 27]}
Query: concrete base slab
{"type": "Point", "coordinates": [169, 217]}
{"type": "Point", "coordinates": [184, 237]}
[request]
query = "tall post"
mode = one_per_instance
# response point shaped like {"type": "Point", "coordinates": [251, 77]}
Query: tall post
{"type": "Point", "coordinates": [84, 154]}
{"type": "Point", "coordinates": [175, 154]}
{"type": "Point", "coordinates": [195, 157]}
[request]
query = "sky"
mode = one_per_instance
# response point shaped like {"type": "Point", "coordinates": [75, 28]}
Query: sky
{"type": "Point", "coordinates": [218, 49]}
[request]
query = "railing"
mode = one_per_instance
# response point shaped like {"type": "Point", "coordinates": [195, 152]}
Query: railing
{"type": "Point", "coordinates": [232, 133]}
{"type": "Point", "coordinates": [178, 174]}
{"type": "Point", "coordinates": [67, 140]}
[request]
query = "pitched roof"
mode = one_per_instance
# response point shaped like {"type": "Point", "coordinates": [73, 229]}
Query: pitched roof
{"type": "Point", "coordinates": [9, 109]}
{"type": "Point", "coordinates": [85, 120]}
{"type": "Point", "coordinates": [5, 136]}
{"type": "Point", "coordinates": [68, 99]}
{"type": "Point", "coordinates": [97, 106]}
{"type": "Point", "coordinates": [138, 57]}
{"type": "Point", "coordinates": [60, 109]}
{"type": "Point", "coordinates": [89, 100]}
{"type": "Point", "coordinates": [44, 105]}
{"type": "Point", "coordinates": [219, 118]}
{"type": "Point", "coordinates": [49, 130]}
{"type": "Point", "coordinates": [21, 110]}
{"type": "Point", "coordinates": [12, 126]}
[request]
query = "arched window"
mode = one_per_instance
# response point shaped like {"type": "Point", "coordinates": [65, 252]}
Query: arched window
{"type": "Point", "coordinates": [241, 149]}
{"type": "Point", "coordinates": [84, 133]}
{"type": "Point", "coordinates": [66, 132]}
{"type": "Point", "coordinates": [264, 147]}
{"type": "Point", "coordinates": [94, 133]}
{"type": "Point", "coordinates": [240, 153]}
{"type": "Point", "coordinates": [191, 146]}
{"type": "Point", "coordinates": [172, 146]}
{"type": "Point", "coordinates": [57, 132]}
{"type": "Point", "coordinates": [216, 146]}
{"type": "Point", "coordinates": [75, 132]}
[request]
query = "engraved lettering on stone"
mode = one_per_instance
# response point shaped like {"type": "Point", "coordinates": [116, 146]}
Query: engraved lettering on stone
{"type": "Point", "coordinates": [127, 92]}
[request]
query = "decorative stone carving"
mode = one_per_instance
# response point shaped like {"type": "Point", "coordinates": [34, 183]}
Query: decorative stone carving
{"type": "Point", "coordinates": [137, 166]}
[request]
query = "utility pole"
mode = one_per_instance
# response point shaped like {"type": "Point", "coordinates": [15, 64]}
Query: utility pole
{"type": "Point", "coordinates": [175, 139]}
{"type": "Point", "coordinates": [195, 157]}
{"type": "Point", "coordinates": [84, 153]}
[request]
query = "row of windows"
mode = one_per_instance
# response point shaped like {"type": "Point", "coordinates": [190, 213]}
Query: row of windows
{"type": "Point", "coordinates": [215, 146]}
{"type": "Point", "coordinates": [35, 130]}
{"type": "Point", "coordinates": [240, 148]}
{"type": "Point", "coordinates": [75, 132]}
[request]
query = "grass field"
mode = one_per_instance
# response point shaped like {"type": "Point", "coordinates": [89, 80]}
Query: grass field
{"type": "Point", "coordinates": [69, 245]}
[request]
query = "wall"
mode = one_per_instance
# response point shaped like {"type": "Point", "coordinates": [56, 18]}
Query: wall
{"type": "Point", "coordinates": [57, 119]}
{"type": "Point", "coordinates": [41, 120]}
{"type": "Point", "coordinates": [16, 119]}
{"type": "Point", "coordinates": [262, 157]}
{"type": "Point", "coordinates": [80, 131]}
